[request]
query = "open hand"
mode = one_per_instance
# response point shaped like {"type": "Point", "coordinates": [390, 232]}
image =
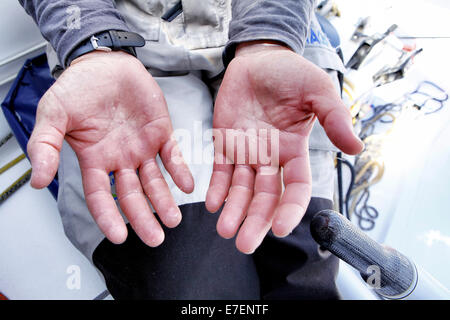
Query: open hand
{"type": "Point", "coordinates": [274, 89]}
{"type": "Point", "coordinates": [114, 116]}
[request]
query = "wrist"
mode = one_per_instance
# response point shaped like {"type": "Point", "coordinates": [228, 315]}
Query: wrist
{"type": "Point", "coordinates": [257, 46]}
{"type": "Point", "coordinates": [95, 55]}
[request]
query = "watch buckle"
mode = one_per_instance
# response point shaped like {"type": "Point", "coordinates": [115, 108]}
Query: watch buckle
{"type": "Point", "coordinates": [94, 42]}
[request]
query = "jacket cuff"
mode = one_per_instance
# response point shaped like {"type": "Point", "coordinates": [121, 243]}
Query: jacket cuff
{"type": "Point", "coordinates": [284, 21]}
{"type": "Point", "coordinates": [282, 37]}
{"type": "Point", "coordinates": [69, 36]}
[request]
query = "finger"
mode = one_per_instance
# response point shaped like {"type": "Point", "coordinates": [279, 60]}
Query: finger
{"type": "Point", "coordinates": [157, 190]}
{"type": "Point", "coordinates": [296, 196]}
{"type": "Point", "coordinates": [261, 210]}
{"type": "Point", "coordinates": [219, 184]}
{"type": "Point", "coordinates": [46, 141]}
{"type": "Point", "coordinates": [239, 198]}
{"type": "Point", "coordinates": [103, 208]}
{"type": "Point", "coordinates": [176, 166]}
{"type": "Point", "coordinates": [336, 119]}
{"type": "Point", "coordinates": [135, 207]}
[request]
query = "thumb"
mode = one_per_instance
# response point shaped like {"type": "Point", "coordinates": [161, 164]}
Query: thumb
{"type": "Point", "coordinates": [336, 119]}
{"type": "Point", "coordinates": [46, 141]}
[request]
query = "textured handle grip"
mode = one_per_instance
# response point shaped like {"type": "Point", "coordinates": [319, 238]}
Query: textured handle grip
{"type": "Point", "coordinates": [397, 274]}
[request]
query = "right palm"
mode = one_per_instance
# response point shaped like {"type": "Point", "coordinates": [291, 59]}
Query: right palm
{"type": "Point", "coordinates": [114, 116]}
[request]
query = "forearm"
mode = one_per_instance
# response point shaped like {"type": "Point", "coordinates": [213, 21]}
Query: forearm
{"type": "Point", "coordinates": [65, 24]}
{"type": "Point", "coordinates": [285, 21]}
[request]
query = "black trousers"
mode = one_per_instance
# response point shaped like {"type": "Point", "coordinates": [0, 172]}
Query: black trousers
{"type": "Point", "coordinates": [194, 262]}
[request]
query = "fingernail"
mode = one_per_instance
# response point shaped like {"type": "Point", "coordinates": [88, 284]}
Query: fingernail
{"type": "Point", "coordinates": [188, 184]}
{"type": "Point", "coordinates": [361, 143]}
{"type": "Point", "coordinates": [157, 238]}
{"type": "Point", "coordinates": [174, 217]}
{"type": "Point", "coordinates": [118, 233]}
{"type": "Point", "coordinates": [280, 224]}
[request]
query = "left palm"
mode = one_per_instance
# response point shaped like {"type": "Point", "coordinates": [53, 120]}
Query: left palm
{"type": "Point", "coordinates": [271, 91]}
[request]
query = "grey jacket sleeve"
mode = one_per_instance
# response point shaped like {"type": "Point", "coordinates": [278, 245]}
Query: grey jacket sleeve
{"type": "Point", "coordinates": [286, 21]}
{"type": "Point", "coordinates": [65, 24]}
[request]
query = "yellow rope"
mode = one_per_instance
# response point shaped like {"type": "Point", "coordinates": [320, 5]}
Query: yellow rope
{"type": "Point", "coordinates": [15, 186]}
{"type": "Point", "coordinates": [12, 163]}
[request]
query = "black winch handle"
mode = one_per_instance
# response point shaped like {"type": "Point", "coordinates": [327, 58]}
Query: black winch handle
{"type": "Point", "coordinates": [397, 275]}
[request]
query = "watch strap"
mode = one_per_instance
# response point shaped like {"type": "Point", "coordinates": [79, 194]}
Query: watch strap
{"type": "Point", "coordinates": [111, 40]}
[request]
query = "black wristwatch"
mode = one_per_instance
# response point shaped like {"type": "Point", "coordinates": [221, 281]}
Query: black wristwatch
{"type": "Point", "coordinates": [111, 40]}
